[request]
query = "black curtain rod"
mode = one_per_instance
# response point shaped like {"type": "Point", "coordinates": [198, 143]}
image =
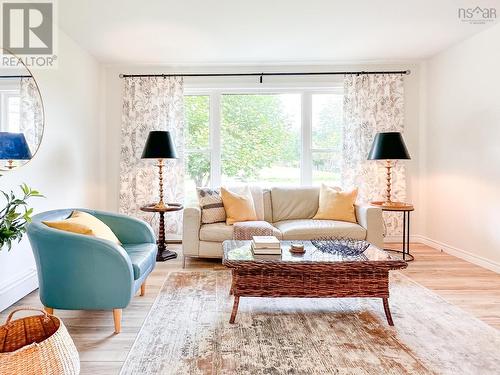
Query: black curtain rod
{"type": "Point", "coordinates": [405, 72]}
{"type": "Point", "coordinates": [15, 76]}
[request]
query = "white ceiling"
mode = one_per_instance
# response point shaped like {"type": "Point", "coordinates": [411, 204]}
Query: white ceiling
{"type": "Point", "coordinates": [265, 31]}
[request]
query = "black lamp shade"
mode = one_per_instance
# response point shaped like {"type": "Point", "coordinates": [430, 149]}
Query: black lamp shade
{"type": "Point", "coordinates": [159, 145]}
{"type": "Point", "coordinates": [13, 146]}
{"type": "Point", "coordinates": [388, 146]}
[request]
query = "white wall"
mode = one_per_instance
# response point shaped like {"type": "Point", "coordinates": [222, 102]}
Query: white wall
{"type": "Point", "coordinates": [67, 167]}
{"type": "Point", "coordinates": [462, 143]}
{"type": "Point", "coordinates": [114, 87]}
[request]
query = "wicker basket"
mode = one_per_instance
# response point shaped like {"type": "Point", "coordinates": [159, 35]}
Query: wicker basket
{"type": "Point", "coordinates": [37, 345]}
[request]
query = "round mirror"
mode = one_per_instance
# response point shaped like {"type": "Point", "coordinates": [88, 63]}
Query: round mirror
{"type": "Point", "coordinates": [21, 113]}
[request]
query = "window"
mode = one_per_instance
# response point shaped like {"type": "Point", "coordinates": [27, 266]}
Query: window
{"type": "Point", "coordinates": [260, 135]}
{"type": "Point", "coordinates": [197, 141]}
{"type": "Point", "coordinates": [278, 137]}
{"type": "Point", "coordinates": [9, 100]}
{"type": "Point", "coordinates": [326, 138]}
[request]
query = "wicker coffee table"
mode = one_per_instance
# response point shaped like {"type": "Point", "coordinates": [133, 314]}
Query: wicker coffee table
{"type": "Point", "coordinates": [313, 274]}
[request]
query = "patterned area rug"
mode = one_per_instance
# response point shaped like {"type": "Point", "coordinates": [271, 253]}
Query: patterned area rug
{"type": "Point", "coordinates": [187, 332]}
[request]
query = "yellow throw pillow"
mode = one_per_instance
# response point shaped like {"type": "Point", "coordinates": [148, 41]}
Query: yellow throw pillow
{"type": "Point", "coordinates": [84, 223]}
{"type": "Point", "coordinates": [239, 207]}
{"type": "Point", "coordinates": [336, 205]}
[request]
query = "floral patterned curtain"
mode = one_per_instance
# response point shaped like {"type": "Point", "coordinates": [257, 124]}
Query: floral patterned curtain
{"type": "Point", "coordinates": [30, 113]}
{"type": "Point", "coordinates": [151, 103]}
{"type": "Point", "coordinates": [372, 104]}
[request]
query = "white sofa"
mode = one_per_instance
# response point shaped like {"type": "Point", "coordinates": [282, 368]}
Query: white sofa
{"type": "Point", "coordinates": [288, 209]}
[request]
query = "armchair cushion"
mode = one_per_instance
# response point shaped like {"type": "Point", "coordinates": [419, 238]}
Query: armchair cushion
{"type": "Point", "coordinates": [84, 223]}
{"type": "Point", "coordinates": [126, 228]}
{"type": "Point", "coordinates": [142, 256]}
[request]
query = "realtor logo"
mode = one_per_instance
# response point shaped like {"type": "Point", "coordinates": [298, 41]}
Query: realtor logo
{"type": "Point", "coordinates": [477, 15]}
{"type": "Point", "coordinates": [27, 28]}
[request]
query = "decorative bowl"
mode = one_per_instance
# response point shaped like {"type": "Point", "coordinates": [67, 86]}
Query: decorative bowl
{"type": "Point", "coordinates": [343, 246]}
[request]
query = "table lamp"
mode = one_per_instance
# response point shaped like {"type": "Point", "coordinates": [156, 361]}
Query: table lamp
{"type": "Point", "coordinates": [160, 146]}
{"type": "Point", "coordinates": [13, 146]}
{"type": "Point", "coordinates": [388, 146]}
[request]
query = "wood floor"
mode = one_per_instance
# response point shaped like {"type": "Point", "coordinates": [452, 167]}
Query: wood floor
{"type": "Point", "coordinates": [102, 352]}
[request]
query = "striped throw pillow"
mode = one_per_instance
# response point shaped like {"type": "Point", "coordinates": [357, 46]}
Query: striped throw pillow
{"type": "Point", "coordinates": [212, 208]}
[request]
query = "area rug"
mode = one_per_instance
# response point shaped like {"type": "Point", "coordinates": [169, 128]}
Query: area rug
{"type": "Point", "coordinates": [188, 332]}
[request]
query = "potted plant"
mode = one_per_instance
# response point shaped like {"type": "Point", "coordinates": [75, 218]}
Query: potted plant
{"type": "Point", "coordinates": [15, 215]}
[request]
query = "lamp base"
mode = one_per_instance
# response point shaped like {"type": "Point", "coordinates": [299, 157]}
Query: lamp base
{"type": "Point", "coordinates": [161, 206]}
{"type": "Point", "coordinates": [164, 255]}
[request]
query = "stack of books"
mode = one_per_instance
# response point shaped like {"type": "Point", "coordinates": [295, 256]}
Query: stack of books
{"type": "Point", "coordinates": [266, 245]}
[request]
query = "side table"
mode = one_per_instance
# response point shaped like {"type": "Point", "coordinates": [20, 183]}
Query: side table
{"type": "Point", "coordinates": [163, 253]}
{"type": "Point", "coordinates": [406, 209]}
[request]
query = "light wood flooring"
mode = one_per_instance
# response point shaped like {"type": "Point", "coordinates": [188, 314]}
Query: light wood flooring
{"type": "Point", "coordinates": [473, 288]}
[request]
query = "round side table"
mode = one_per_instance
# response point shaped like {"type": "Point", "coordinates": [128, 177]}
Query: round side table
{"type": "Point", "coordinates": [163, 253]}
{"type": "Point", "coordinates": [406, 209]}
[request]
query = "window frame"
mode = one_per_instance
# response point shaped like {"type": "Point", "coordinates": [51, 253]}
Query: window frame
{"type": "Point", "coordinates": [318, 150]}
{"type": "Point", "coordinates": [5, 95]}
{"type": "Point", "coordinates": [215, 117]}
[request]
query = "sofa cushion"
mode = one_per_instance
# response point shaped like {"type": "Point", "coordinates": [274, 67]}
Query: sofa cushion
{"type": "Point", "coordinates": [142, 256]}
{"type": "Point", "coordinates": [216, 232]}
{"type": "Point", "coordinates": [294, 202]}
{"type": "Point", "coordinates": [238, 206]}
{"type": "Point", "coordinates": [257, 196]}
{"type": "Point", "coordinates": [313, 229]}
{"type": "Point", "coordinates": [258, 200]}
{"type": "Point", "coordinates": [212, 208]}
{"type": "Point", "coordinates": [335, 204]}
{"type": "Point", "coordinates": [268, 208]}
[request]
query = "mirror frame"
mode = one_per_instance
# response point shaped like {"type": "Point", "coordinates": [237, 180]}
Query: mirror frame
{"type": "Point", "coordinates": [5, 169]}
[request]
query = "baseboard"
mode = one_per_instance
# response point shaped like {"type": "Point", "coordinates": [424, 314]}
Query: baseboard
{"type": "Point", "coordinates": [459, 253]}
{"type": "Point", "coordinates": [15, 289]}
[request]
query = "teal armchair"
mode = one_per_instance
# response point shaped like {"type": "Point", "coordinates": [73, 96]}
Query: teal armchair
{"type": "Point", "coordinates": [80, 272]}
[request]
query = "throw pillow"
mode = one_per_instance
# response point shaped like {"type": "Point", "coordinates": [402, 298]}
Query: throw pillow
{"type": "Point", "coordinates": [84, 223]}
{"type": "Point", "coordinates": [239, 207]}
{"type": "Point", "coordinates": [212, 208]}
{"type": "Point", "coordinates": [336, 205]}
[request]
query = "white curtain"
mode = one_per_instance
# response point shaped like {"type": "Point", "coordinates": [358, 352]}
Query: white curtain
{"type": "Point", "coordinates": [30, 113]}
{"type": "Point", "coordinates": [151, 103]}
{"type": "Point", "coordinates": [372, 104]}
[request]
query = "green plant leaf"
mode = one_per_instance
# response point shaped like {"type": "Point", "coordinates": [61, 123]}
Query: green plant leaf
{"type": "Point", "coordinates": [12, 222]}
